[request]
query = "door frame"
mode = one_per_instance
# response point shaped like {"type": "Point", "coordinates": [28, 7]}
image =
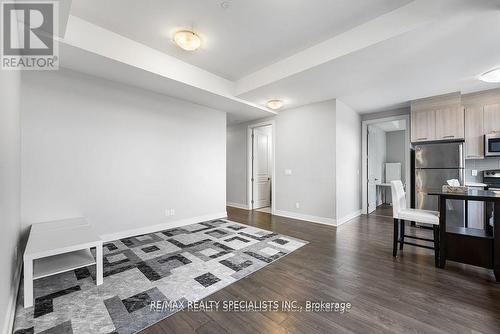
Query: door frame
{"type": "Point", "coordinates": [364, 157]}
{"type": "Point", "coordinates": [272, 123]}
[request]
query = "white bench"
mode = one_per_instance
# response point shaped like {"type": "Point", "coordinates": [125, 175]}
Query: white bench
{"type": "Point", "coordinates": [59, 246]}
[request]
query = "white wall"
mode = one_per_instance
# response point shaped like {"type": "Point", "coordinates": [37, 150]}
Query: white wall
{"type": "Point", "coordinates": [348, 166]}
{"type": "Point", "coordinates": [117, 155]}
{"type": "Point", "coordinates": [321, 144]}
{"type": "Point", "coordinates": [305, 143]}
{"type": "Point", "coordinates": [9, 192]}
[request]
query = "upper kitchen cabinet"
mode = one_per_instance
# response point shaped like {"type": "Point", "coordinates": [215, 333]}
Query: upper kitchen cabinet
{"type": "Point", "coordinates": [437, 118]}
{"type": "Point", "coordinates": [474, 132]}
{"type": "Point", "coordinates": [482, 116]}
{"type": "Point", "coordinates": [491, 118]}
{"type": "Point", "coordinates": [450, 123]}
{"type": "Point", "coordinates": [423, 125]}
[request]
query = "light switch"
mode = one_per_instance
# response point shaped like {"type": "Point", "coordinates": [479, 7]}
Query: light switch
{"type": "Point", "coordinates": [474, 172]}
{"type": "Point", "coordinates": [288, 172]}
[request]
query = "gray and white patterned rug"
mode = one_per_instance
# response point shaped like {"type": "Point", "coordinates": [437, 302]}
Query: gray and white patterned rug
{"type": "Point", "coordinates": [172, 266]}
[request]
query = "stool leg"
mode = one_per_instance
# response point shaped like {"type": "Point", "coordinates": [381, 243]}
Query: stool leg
{"type": "Point", "coordinates": [435, 231]}
{"type": "Point", "coordinates": [402, 233]}
{"type": "Point", "coordinates": [395, 239]}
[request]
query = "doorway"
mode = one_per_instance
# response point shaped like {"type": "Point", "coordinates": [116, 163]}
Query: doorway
{"type": "Point", "coordinates": [386, 157]}
{"type": "Point", "coordinates": [261, 167]}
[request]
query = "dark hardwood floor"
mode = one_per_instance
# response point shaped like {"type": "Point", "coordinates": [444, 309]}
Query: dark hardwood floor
{"type": "Point", "coordinates": [384, 210]}
{"type": "Point", "coordinates": [352, 263]}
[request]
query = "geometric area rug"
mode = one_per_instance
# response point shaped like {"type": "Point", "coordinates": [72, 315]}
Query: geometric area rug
{"type": "Point", "coordinates": [169, 268]}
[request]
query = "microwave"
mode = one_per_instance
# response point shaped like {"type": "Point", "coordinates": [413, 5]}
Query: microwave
{"type": "Point", "coordinates": [492, 145]}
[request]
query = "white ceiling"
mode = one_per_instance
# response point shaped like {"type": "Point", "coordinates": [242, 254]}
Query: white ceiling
{"type": "Point", "coordinates": [373, 55]}
{"type": "Point", "coordinates": [442, 56]}
{"type": "Point", "coordinates": [239, 40]}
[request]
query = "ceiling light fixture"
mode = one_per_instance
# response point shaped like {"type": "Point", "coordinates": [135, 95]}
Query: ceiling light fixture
{"type": "Point", "coordinates": [492, 76]}
{"type": "Point", "coordinates": [187, 40]}
{"type": "Point", "coordinates": [274, 104]}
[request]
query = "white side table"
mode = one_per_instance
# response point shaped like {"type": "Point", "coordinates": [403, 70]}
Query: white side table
{"type": "Point", "coordinates": [384, 187]}
{"type": "Point", "coordinates": [59, 246]}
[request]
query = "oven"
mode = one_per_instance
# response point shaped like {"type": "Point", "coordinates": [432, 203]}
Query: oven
{"type": "Point", "coordinates": [492, 179]}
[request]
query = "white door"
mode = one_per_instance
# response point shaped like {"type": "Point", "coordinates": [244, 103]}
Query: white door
{"type": "Point", "coordinates": [262, 167]}
{"type": "Point", "coordinates": [374, 168]}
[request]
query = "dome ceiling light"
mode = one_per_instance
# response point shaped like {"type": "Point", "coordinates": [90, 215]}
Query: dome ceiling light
{"type": "Point", "coordinates": [187, 40]}
{"type": "Point", "coordinates": [274, 104]}
{"type": "Point", "coordinates": [492, 76]}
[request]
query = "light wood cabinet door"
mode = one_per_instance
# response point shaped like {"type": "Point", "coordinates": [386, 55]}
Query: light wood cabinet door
{"type": "Point", "coordinates": [474, 132]}
{"type": "Point", "coordinates": [423, 125]}
{"type": "Point", "coordinates": [491, 118]}
{"type": "Point", "coordinates": [450, 123]}
{"type": "Point", "coordinates": [475, 212]}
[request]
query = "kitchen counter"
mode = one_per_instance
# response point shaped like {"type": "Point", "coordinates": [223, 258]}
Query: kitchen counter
{"type": "Point", "coordinates": [455, 242]}
{"type": "Point", "coordinates": [471, 194]}
{"type": "Point", "coordinates": [475, 184]}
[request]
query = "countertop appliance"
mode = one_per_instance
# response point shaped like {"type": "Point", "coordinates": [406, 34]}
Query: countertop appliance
{"type": "Point", "coordinates": [492, 145]}
{"type": "Point", "coordinates": [435, 163]}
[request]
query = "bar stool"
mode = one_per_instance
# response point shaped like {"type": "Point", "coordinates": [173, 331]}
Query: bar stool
{"type": "Point", "coordinates": [401, 213]}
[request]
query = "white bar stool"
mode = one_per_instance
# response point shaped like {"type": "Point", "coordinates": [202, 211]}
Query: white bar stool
{"type": "Point", "coordinates": [401, 214]}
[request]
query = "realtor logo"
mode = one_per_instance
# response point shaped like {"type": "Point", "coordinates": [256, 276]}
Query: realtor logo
{"type": "Point", "coordinates": [28, 35]}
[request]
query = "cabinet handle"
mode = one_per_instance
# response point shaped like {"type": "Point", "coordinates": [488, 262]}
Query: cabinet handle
{"type": "Point", "coordinates": [423, 138]}
{"type": "Point", "coordinates": [448, 137]}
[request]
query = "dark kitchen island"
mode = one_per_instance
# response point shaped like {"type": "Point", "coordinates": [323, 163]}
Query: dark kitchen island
{"type": "Point", "coordinates": [479, 247]}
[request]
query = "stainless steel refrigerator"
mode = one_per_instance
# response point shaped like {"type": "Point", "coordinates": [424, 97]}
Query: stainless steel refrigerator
{"type": "Point", "coordinates": [435, 163]}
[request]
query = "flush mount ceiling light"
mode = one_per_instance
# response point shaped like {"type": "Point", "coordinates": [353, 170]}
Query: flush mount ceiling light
{"type": "Point", "coordinates": [491, 76]}
{"type": "Point", "coordinates": [187, 40]}
{"type": "Point", "coordinates": [274, 104]}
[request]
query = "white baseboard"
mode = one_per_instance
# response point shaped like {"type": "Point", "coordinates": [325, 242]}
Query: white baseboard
{"type": "Point", "coordinates": [11, 307]}
{"type": "Point", "coordinates": [301, 216]}
{"type": "Point", "coordinates": [317, 219]}
{"type": "Point", "coordinates": [161, 227]}
{"type": "Point", "coordinates": [348, 217]}
{"type": "Point", "coordinates": [237, 205]}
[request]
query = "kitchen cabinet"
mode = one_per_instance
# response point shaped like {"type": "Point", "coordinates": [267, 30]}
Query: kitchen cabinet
{"type": "Point", "coordinates": [491, 118]}
{"type": "Point", "coordinates": [450, 123]}
{"type": "Point", "coordinates": [444, 123]}
{"type": "Point", "coordinates": [474, 132]}
{"type": "Point", "coordinates": [437, 118]}
{"type": "Point", "coordinates": [475, 212]}
{"type": "Point", "coordinates": [423, 125]}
